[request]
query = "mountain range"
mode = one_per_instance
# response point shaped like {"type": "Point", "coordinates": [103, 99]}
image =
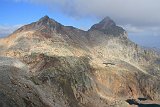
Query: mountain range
{"type": "Point", "coordinates": [47, 64]}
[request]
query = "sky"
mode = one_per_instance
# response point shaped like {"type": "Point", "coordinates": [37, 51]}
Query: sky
{"type": "Point", "coordinates": [140, 18]}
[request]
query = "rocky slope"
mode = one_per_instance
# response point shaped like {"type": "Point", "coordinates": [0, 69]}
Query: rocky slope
{"type": "Point", "coordinates": [47, 64]}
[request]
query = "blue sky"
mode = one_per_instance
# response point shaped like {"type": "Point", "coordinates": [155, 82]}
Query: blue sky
{"type": "Point", "coordinates": [139, 17]}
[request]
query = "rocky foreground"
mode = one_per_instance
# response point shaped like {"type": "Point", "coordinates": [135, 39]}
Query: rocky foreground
{"type": "Point", "coordinates": [47, 64]}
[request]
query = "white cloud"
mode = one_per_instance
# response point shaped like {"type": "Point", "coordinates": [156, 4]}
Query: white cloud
{"type": "Point", "coordinates": [149, 30]}
{"type": "Point", "coordinates": [5, 30]}
{"type": "Point", "coordinates": [132, 29]}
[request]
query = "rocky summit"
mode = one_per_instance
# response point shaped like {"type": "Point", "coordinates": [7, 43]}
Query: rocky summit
{"type": "Point", "coordinates": [47, 64]}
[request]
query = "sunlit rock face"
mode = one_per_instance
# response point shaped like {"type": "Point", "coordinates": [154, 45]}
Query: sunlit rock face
{"type": "Point", "coordinates": [47, 64]}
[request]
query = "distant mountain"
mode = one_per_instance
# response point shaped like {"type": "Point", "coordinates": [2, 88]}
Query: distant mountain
{"type": "Point", "coordinates": [47, 64]}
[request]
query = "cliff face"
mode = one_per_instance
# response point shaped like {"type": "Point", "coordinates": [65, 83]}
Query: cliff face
{"type": "Point", "coordinates": [61, 66]}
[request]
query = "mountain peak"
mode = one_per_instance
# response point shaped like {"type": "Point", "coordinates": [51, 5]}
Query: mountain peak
{"type": "Point", "coordinates": [107, 21]}
{"type": "Point", "coordinates": [104, 24]}
{"type": "Point", "coordinates": [108, 27]}
{"type": "Point", "coordinates": [44, 24]}
{"type": "Point", "coordinates": [45, 20]}
{"type": "Point", "coordinates": [50, 24]}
